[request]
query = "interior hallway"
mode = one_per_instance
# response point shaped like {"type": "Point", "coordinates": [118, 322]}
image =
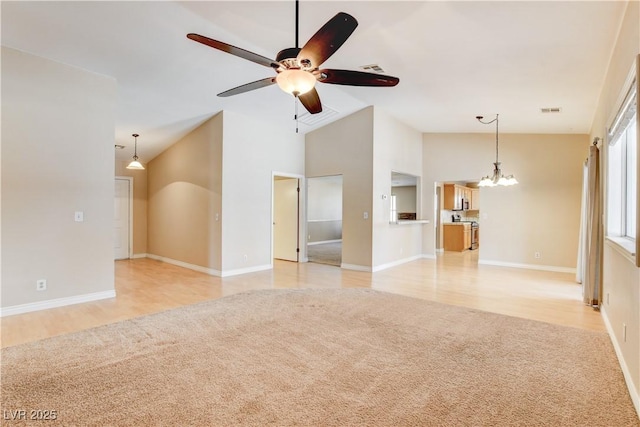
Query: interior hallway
{"type": "Point", "coordinates": [145, 286]}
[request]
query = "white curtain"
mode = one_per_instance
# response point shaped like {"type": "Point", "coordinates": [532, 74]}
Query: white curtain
{"type": "Point", "coordinates": [591, 236]}
{"type": "Point", "coordinates": [582, 242]}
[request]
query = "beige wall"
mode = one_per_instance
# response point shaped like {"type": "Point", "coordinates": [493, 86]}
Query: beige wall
{"type": "Point", "coordinates": [209, 195]}
{"type": "Point", "coordinates": [184, 197]}
{"type": "Point", "coordinates": [345, 147]}
{"type": "Point", "coordinates": [397, 147]}
{"type": "Point", "coordinates": [541, 214]}
{"type": "Point", "coordinates": [621, 278]}
{"type": "Point", "coordinates": [139, 204]}
{"type": "Point", "coordinates": [57, 158]}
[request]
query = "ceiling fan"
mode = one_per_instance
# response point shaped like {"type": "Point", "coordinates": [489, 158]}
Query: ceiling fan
{"type": "Point", "coordinates": [297, 70]}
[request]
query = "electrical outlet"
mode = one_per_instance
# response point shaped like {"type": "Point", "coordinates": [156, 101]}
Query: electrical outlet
{"type": "Point", "coordinates": [365, 215]}
{"type": "Point", "coordinates": [537, 255]}
{"type": "Point", "coordinates": [41, 285]}
{"type": "Point", "coordinates": [246, 257]}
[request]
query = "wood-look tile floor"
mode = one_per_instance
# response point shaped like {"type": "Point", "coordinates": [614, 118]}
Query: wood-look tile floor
{"type": "Point", "coordinates": [145, 286]}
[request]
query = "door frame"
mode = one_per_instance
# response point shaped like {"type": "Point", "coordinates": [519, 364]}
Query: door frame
{"type": "Point", "coordinates": [302, 212]}
{"type": "Point", "coordinates": [130, 219]}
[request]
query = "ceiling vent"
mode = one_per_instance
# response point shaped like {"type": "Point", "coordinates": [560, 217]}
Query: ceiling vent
{"type": "Point", "coordinates": [372, 68]}
{"type": "Point", "coordinates": [551, 110]}
{"type": "Point", "coordinates": [309, 119]}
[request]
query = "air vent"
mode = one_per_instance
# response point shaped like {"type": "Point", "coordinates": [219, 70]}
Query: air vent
{"type": "Point", "coordinates": [375, 68]}
{"type": "Point", "coordinates": [551, 110]}
{"type": "Point", "coordinates": [313, 119]}
{"type": "Point", "coordinates": [119, 147]}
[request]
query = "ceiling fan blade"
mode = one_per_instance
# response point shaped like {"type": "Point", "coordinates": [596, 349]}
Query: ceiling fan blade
{"type": "Point", "coordinates": [355, 78]}
{"type": "Point", "coordinates": [311, 101]}
{"type": "Point", "coordinates": [249, 86]}
{"type": "Point", "coordinates": [327, 40]}
{"type": "Point", "coordinates": [242, 53]}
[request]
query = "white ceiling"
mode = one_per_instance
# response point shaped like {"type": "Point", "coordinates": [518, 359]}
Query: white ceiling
{"type": "Point", "coordinates": [455, 59]}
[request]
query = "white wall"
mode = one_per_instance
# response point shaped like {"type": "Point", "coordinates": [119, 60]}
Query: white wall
{"type": "Point", "coordinates": [57, 158]}
{"type": "Point", "coordinates": [252, 150]}
{"type": "Point", "coordinates": [397, 147]}
{"type": "Point", "coordinates": [324, 209]}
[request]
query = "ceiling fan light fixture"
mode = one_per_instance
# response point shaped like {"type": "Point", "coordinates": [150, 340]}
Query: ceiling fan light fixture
{"type": "Point", "coordinates": [295, 81]}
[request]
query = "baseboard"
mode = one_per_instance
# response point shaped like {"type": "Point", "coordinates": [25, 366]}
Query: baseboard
{"type": "Point", "coordinates": [628, 378]}
{"type": "Point", "coordinates": [441, 250]}
{"type": "Point", "coordinates": [211, 271]}
{"type": "Point", "coordinates": [201, 269]}
{"type": "Point", "coordinates": [136, 256]}
{"type": "Point", "coordinates": [54, 303]}
{"type": "Point", "coordinates": [429, 256]}
{"type": "Point", "coordinates": [324, 241]}
{"type": "Point", "coordinates": [356, 267]}
{"type": "Point", "coordinates": [395, 263]}
{"type": "Point", "coordinates": [246, 270]}
{"type": "Point", "coordinates": [528, 266]}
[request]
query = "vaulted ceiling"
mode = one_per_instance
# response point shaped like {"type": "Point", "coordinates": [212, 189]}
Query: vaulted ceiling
{"type": "Point", "coordinates": [455, 60]}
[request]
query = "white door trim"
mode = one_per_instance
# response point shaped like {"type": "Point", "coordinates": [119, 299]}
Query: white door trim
{"type": "Point", "coordinates": [302, 213]}
{"type": "Point", "coordinates": [130, 244]}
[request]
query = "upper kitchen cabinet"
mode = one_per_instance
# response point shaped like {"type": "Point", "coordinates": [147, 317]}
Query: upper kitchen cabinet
{"type": "Point", "coordinates": [454, 197]}
{"type": "Point", "coordinates": [475, 199]}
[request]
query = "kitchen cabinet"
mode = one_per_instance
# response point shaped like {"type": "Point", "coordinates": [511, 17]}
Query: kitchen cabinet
{"type": "Point", "coordinates": [453, 197]}
{"type": "Point", "coordinates": [475, 199]}
{"type": "Point", "coordinates": [457, 236]}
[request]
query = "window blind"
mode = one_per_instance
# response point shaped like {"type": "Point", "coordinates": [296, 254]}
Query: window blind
{"type": "Point", "coordinates": [625, 115]}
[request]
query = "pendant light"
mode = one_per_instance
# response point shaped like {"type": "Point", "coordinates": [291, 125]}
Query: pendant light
{"type": "Point", "coordinates": [497, 178]}
{"type": "Point", "coordinates": [135, 164]}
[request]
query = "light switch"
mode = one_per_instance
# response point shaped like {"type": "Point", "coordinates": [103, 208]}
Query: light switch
{"type": "Point", "coordinates": [79, 216]}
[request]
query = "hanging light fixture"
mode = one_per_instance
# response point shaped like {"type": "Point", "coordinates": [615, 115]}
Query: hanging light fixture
{"type": "Point", "coordinates": [135, 164]}
{"type": "Point", "coordinates": [497, 178]}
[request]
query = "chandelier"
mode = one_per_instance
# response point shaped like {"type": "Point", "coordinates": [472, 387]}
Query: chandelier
{"type": "Point", "coordinates": [497, 178]}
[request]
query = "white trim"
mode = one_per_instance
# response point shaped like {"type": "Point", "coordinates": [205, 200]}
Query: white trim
{"type": "Point", "coordinates": [430, 256]}
{"type": "Point", "coordinates": [136, 256]}
{"type": "Point", "coordinates": [211, 271]}
{"type": "Point", "coordinates": [320, 242]}
{"type": "Point", "coordinates": [396, 263]}
{"type": "Point", "coordinates": [441, 250]}
{"type": "Point", "coordinates": [324, 220]}
{"type": "Point", "coordinates": [130, 179]}
{"type": "Point", "coordinates": [528, 266]}
{"type": "Point", "coordinates": [302, 214]}
{"type": "Point", "coordinates": [54, 303]}
{"type": "Point", "coordinates": [355, 267]}
{"type": "Point", "coordinates": [247, 270]}
{"type": "Point", "coordinates": [183, 264]}
{"type": "Point", "coordinates": [628, 378]}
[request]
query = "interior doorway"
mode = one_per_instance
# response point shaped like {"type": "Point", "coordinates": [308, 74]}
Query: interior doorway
{"type": "Point", "coordinates": [286, 218]}
{"type": "Point", "coordinates": [123, 205]}
{"type": "Point", "coordinates": [324, 220]}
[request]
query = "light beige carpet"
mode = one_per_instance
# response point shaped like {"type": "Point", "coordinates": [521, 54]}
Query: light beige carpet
{"type": "Point", "coordinates": [325, 253]}
{"type": "Point", "coordinates": [321, 358]}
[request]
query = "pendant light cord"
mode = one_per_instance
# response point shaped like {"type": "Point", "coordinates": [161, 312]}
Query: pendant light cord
{"type": "Point", "coordinates": [496, 138]}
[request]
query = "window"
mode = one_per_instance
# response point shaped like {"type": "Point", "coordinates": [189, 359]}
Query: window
{"type": "Point", "coordinates": [622, 170]}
